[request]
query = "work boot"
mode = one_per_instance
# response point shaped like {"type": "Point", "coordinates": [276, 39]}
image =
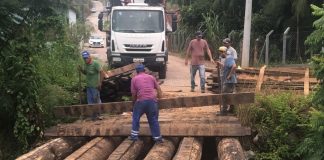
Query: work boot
{"type": "Point", "coordinates": [230, 109]}
{"type": "Point", "coordinates": [133, 138]}
{"type": "Point", "coordinates": [192, 90]}
{"type": "Point", "coordinates": [203, 90]}
{"type": "Point", "coordinates": [159, 141]}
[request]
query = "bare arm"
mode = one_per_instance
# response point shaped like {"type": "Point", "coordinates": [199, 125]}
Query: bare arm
{"type": "Point", "coordinates": [232, 71]}
{"type": "Point", "coordinates": [188, 53]}
{"type": "Point", "coordinates": [159, 92]}
{"type": "Point", "coordinates": [209, 53]}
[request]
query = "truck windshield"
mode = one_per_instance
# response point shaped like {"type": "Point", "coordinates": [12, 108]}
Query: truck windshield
{"type": "Point", "coordinates": [135, 21]}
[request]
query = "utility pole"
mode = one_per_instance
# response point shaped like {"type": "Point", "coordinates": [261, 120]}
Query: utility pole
{"type": "Point", "coordinates": [247, 33]}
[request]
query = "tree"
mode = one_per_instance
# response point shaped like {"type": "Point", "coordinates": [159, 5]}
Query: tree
{"type": "Point", "coordinates": [315, 42]}
{"type": "Point", "coordinates": [26, 27]}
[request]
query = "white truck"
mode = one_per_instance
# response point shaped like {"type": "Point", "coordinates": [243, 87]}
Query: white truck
{"type": "Point", "coordinates": [138, 33]}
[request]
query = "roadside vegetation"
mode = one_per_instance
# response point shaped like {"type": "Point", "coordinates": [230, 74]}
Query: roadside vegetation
{"type": "Point", "coordinates": [284, 125]}
{"type": "Point", "coordinates": [39, 54]}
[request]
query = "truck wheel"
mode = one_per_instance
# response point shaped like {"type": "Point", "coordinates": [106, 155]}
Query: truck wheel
{"type": "Point", "coordinates": [162, 72]}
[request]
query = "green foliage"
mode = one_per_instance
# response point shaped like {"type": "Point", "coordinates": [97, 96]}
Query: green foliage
{"type": "Point", "coordinates": [277, 119]}
{"type": "Point", "coordinates": [315, 43]}
{"type": "Point", "coordinates": [312, 146]}
{"type": "Point", "coordinates": [38, 59]}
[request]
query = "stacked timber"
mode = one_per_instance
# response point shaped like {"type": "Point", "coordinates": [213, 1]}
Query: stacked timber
{"type": "Point", "coordinates": [116, 84]}
{"type": "Point", "coordinates": [280, 78]}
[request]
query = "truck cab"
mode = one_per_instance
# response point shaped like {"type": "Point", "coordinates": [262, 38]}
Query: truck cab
{"type": "Point", "coordinates": [137, 33]}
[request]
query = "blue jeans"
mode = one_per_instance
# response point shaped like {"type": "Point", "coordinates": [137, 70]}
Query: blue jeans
{"type": "Point", "coordinates": [150, 108]}
{"type": "Point", "coordinates": [193, 71]}
{"type": "Point", "coordinates": [93, 95]}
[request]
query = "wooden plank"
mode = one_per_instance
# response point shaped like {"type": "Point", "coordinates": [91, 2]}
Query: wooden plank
{"type": "Point", "coordinates": [178, 126]}
{"type": "Point", "coordinates": [190, 148]}
{"type": "Point", "coordinates": [121, 70]}
{"type": "Point", "coordinates": [260, 79]}
{"type": "Point", "coordinates": [306, 82]}
{"type": "Point", "coordinates": [164, 103]}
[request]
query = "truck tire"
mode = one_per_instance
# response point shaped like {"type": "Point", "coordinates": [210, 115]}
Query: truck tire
{"type": "Point", "coordinates": [162, 72]}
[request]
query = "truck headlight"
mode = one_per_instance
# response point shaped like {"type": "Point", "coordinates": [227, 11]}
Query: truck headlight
{"type": "Point", "coordinates": [160, 59]}
{"type": "Point", "coordinates": [160, 54]}
{"type": "Point", "coordinates": [116, 59]}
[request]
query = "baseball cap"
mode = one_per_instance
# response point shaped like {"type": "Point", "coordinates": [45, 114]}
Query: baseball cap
{"type": "Point", "coordinates": [226, 40]}
{"type": "Point", "coordinates": [222, 49]}
{"type": "Point", "coordinates": [140, 67]}
{"type": "Point", "coordinates": [85, 54]}
{"type": "Point", "coordinates": [199, 33]}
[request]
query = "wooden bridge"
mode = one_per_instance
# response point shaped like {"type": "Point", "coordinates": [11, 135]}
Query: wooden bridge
{"type": "Point", "coordinates": [187, 124]}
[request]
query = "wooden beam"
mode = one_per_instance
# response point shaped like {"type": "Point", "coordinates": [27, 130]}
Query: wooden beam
{"type": "Point", "coordinates": [58, 148]}
{"type": "Point", "coordinates": [99, 149]}
{"type": "Point", "coordinates": [121, 70]}
{"type": "Point", "coordinates": [230, 148]}
{"type": "Point", "coordinates": [306, 82]}
{"type": "Point", "coordinates": [189, 148]}
{"type": "Point", "coordinates": [171, 124]}
{"type": "Point", "coordinates": [165, 103]}
{"type": "Point", "coordinates": [260, 79]}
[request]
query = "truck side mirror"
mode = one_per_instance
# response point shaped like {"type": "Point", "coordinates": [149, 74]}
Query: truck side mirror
{"type": "Point", "coordinates": [100, 24]}
{"type": "Point", "coordinates": [174, 22]}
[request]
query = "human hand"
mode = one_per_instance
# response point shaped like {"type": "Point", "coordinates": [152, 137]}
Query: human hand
{"type": "Point", "coordinates": [211, 60]}
{"type": "Point", "coordinates": [186, 62]}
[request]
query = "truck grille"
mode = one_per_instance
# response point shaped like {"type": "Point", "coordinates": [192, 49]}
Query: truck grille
{"type": "Point", "coordinates": [138, 47]}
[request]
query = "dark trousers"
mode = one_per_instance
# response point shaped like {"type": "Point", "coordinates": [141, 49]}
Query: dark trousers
{"type": "Point", "coordinates": [227, 88]}
{"type": "Point", "coordinates": [150, 108]}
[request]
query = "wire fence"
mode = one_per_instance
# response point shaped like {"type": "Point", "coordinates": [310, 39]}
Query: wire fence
{"type": "Point", "coordinates": [295, 52]}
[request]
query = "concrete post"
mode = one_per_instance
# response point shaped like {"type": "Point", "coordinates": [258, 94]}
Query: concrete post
{"type": "Point", "coordinates": [284, 47]}
{"type": "Point", "coordinates": [247, 33]}
{"type": "Point", "coordinates": [267, 48]}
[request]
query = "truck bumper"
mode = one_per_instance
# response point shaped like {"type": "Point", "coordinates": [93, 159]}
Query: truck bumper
{"type": "Point", "coordinates": [152, 61]}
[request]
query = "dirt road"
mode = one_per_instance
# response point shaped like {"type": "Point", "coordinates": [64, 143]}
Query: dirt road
{"type": "Point", "coordinates": [99, 53]}
{"type": "Point", "coordinates": [177, 82]}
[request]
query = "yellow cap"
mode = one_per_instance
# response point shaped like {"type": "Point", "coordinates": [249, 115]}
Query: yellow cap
{"type": "Point", "coordinates": [222, 49]}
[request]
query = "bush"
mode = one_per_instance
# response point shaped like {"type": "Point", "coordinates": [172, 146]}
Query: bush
{"type": "Point", "coordinates": [276, 119]}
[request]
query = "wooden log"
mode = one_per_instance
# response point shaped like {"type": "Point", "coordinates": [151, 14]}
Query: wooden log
{"type": "Point", "coordinates": [230, 149]}
{"type": "Point", "coordinates": [58, 148]}
{"type": "Point", "coordinates": [99, 149]}
{"type": "Point", "coordinates": [163, 151]}
{"type": "Point", "coordinates": [260, 79]}
{"type": "Point", "coordinates": [129, 150]}
{"type": "Point", "coordinates": [190, 148]}
{"type": "Point", "coordinates": [165, 103]}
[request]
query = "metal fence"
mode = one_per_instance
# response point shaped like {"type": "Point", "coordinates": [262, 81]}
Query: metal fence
{"type": "Point", "coordinates": [272, 49]}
